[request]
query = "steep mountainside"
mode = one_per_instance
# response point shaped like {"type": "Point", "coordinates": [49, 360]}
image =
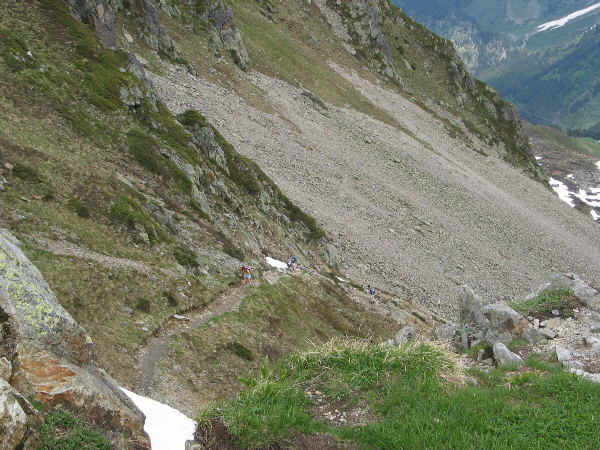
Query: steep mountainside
{"type": "Point", "coordinates": [150, 148]}
{"type": "Point", "coordinates": [525, 49]}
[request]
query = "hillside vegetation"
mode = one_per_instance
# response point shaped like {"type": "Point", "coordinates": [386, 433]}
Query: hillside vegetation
{"type": "Point", "coordinates": [413, 396]}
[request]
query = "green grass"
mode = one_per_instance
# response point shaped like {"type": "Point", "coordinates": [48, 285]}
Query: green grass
{"type": "Point", "coordinates": [413, 401]}
{"type": "Point", "coordinates": [63, 431]}
{"type": "Point", "coordinates": [588, 145]}
{"type": "Point", "coordinates": [545, 302]}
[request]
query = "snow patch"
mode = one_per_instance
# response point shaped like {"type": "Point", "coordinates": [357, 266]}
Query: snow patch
{"type": "Point", "coordinates": [560, 22]}
{"type": "Point", "coordinates": [538, 157]}
{"type": "Point", "coordinates": [168, 428]}
{"type": "Point", "coordinates": [598, 163]}
{"type": "Point", "coordinates": [280, 265]}
{"type": "Point", "coordinates": [563, 191]}
{"type": "Point", "coordinates": [571, 176]}
{"type": "Point", "coordinates": [595, 215]}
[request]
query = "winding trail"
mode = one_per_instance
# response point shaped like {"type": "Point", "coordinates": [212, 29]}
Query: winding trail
{"type": "Point", "coordinates": [153, 350]}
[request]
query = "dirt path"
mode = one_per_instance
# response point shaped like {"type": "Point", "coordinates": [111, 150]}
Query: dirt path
{"type": "Point", "coordinates": [153, 350]}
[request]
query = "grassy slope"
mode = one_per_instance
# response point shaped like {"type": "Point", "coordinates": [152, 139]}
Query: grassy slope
{"type": "Point", "coordinates": [274, 320]}
{"type": "Point", "coordinates": [412, 402]}
{"type": "Point", "coordinates": [67, 135]}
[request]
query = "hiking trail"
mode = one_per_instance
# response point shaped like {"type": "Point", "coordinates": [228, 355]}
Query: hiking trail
{"type": "Point", "coordinates": [153, 350]}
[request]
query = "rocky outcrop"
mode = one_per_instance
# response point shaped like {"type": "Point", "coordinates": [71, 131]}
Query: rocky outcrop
{"type": "Point", "coordinates": [151, 29]}
{"type": "Point", "coordinates": [366, 29]}
{"type": "Point", "coordinates": [582, 291]}
{"type": "Point", "coordinates": [51, 357]}
{"type": "Point", "coordinates": [100, 15]}
{"type": "Point", "coordinates": [226, 34]}
{"type": "Point", "coordinates": [18, 419]}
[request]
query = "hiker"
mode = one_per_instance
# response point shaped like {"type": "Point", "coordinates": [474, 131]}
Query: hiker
{"type": "Point", "coordinates": [247, 275]}
{"type": "Point", "coordinates": [371, 291]}
{"type": "Point", "coordinates": [293, 263]}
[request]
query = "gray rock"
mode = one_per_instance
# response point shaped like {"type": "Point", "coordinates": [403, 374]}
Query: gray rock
{"type": "Point", "coordinates": [52, 355]}
{"type": "Point", "coordinates": [405, 334]}
{"type": "Point", "coordinates": [471, 307]}
{"type": "Point", "coordinates": [504, 324]}
{"type": "Point", "coordinates": [533, 336]}
{"type": "Point", "coordinates": [548, 333]}
{"type": "Point", "coordinates": [504, 356]}
{"type": "Point", "coordinates": [226, 33]}
{"type": "Point", "coordinates": [99, 14]}
{"type": "Point", "coordinates": [204, 137]}
{"type": "Point", "coordinates": [566, 358]}
{"type": "Point", "coordinates": [593, 377]}
{"type": "Point", "coordinates": [555, 312]}
{"type": "Point", "coordinates": [592, 342]}
{"type": "Point", "coordinates": [17, 417]}
{"type": "Point", "coordinates": [454, 335]}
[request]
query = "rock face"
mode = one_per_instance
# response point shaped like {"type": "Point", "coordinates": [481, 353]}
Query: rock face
{"type": "Point", "coordinates": [226, 33]}
{"type": "Point", "coordinates": [152, 31]}
{"type": "Point", "coordinates": [99, 14]}
{"type": "Point", "coordinates": [51, 357]}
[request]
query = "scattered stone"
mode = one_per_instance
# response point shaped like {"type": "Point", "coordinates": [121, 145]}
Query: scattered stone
{"type": "Point", "coordinates": [536, 324]}
{"type": "Point", "coordinates": [593, 343]}
{"type": "Point", "coordinates": [555, 312]}
{"type": "Point", "coordinates": [127, 310]}
{"type": "Point", "coordinates": [593, 377]}
{"type": "Point", "coordinates": [37, 197]}
{"type": "Point", "coordinates": [533, 335]}
{"type": "Point", "coordinates": [480, 354]}
{"type": "Point", "coordinates": [548, 333]}
{"type": "Point", "coordinates": [504, 356]}
{"type": "Point", "coordinates": [565, 357]}
{"type": "Point", "coordinates": [8, 166]}
{"type": "Point", "coordinates": [178, 317]}
{"type": "Point", "coordinates": [471, 307]}
{"type": "Point", "coordinates": [146, 329]}
{"type": "Point", "coordinates": [504, 325]}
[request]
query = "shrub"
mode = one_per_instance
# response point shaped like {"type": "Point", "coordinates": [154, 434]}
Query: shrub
{"type": "Point", "coordinates": [27, 173]}
{"type": "Point", "coordinates": [185, 257]}
{"type": "Point", "coordinates": [172, 299]}
{"type": "Point", "coordinates": [191, 117]}
{"type": "Point", "coordinates": [79, 208]}
{"type": "Point", "coordinates": [143, 304]}
{"type": "Point", "coordinates": [240, 350]}
{"type": "Point", "coordinates": [128, 212]}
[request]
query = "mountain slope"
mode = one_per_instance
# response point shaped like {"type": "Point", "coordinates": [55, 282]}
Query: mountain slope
{"type": "Point", "coordinates": [140, 178]}
{"type": "Point", "coordinates": [525, 49]}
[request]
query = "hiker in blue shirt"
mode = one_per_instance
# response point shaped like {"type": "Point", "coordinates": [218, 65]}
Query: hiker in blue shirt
{"type": "Point", "coordinates": [371, 291]}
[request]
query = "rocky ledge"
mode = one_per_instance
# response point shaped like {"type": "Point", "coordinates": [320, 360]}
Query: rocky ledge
{"type": "Point", "coordinates": [47, 356]}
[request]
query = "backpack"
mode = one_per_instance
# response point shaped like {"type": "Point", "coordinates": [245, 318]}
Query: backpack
{"type": "Point", "coordinates": [294, 259]}
{"type": "Point", "coordinates": [372, 291]}
{"type": "Point", "coordinates": [245, 269]}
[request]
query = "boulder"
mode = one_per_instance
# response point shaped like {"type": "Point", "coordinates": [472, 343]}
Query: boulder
{"type": "Point", "coordinates": [593, 343]}
{"type": "Point", "coordinates": [533, 336]}
{"type": "Point", "coordinates": [454, 335]}
{"type": "Point", "coordinates": [566, 358]}
{"type": "Point", "coordinates": [593, 377]}
{"type": "Point", "coordinates": [504, 324]}
{"type": "Point", "coordinates": [52, 356]}
{"type": "Point", "coordinates": [504, 356]}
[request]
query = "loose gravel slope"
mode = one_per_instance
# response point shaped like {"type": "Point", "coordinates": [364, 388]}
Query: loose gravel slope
{"type": "Point", "coordinates": [414, 212]}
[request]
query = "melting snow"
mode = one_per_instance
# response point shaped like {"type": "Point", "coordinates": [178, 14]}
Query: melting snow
{"type": "Point", "coordinates": [538, 157]}
{"type": "Point", "coordinates": [560, 22]}
{"type": "Point", "coordinates": [168, 428]}
{"type": "Point", "coordinates": [276, 263]}
{"type": "Point", "coordinates": [571, 176]}
{"type": "Point", "coordinates": [563, 191]}
{"type": "Point", "coordinates": [594, 214]}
